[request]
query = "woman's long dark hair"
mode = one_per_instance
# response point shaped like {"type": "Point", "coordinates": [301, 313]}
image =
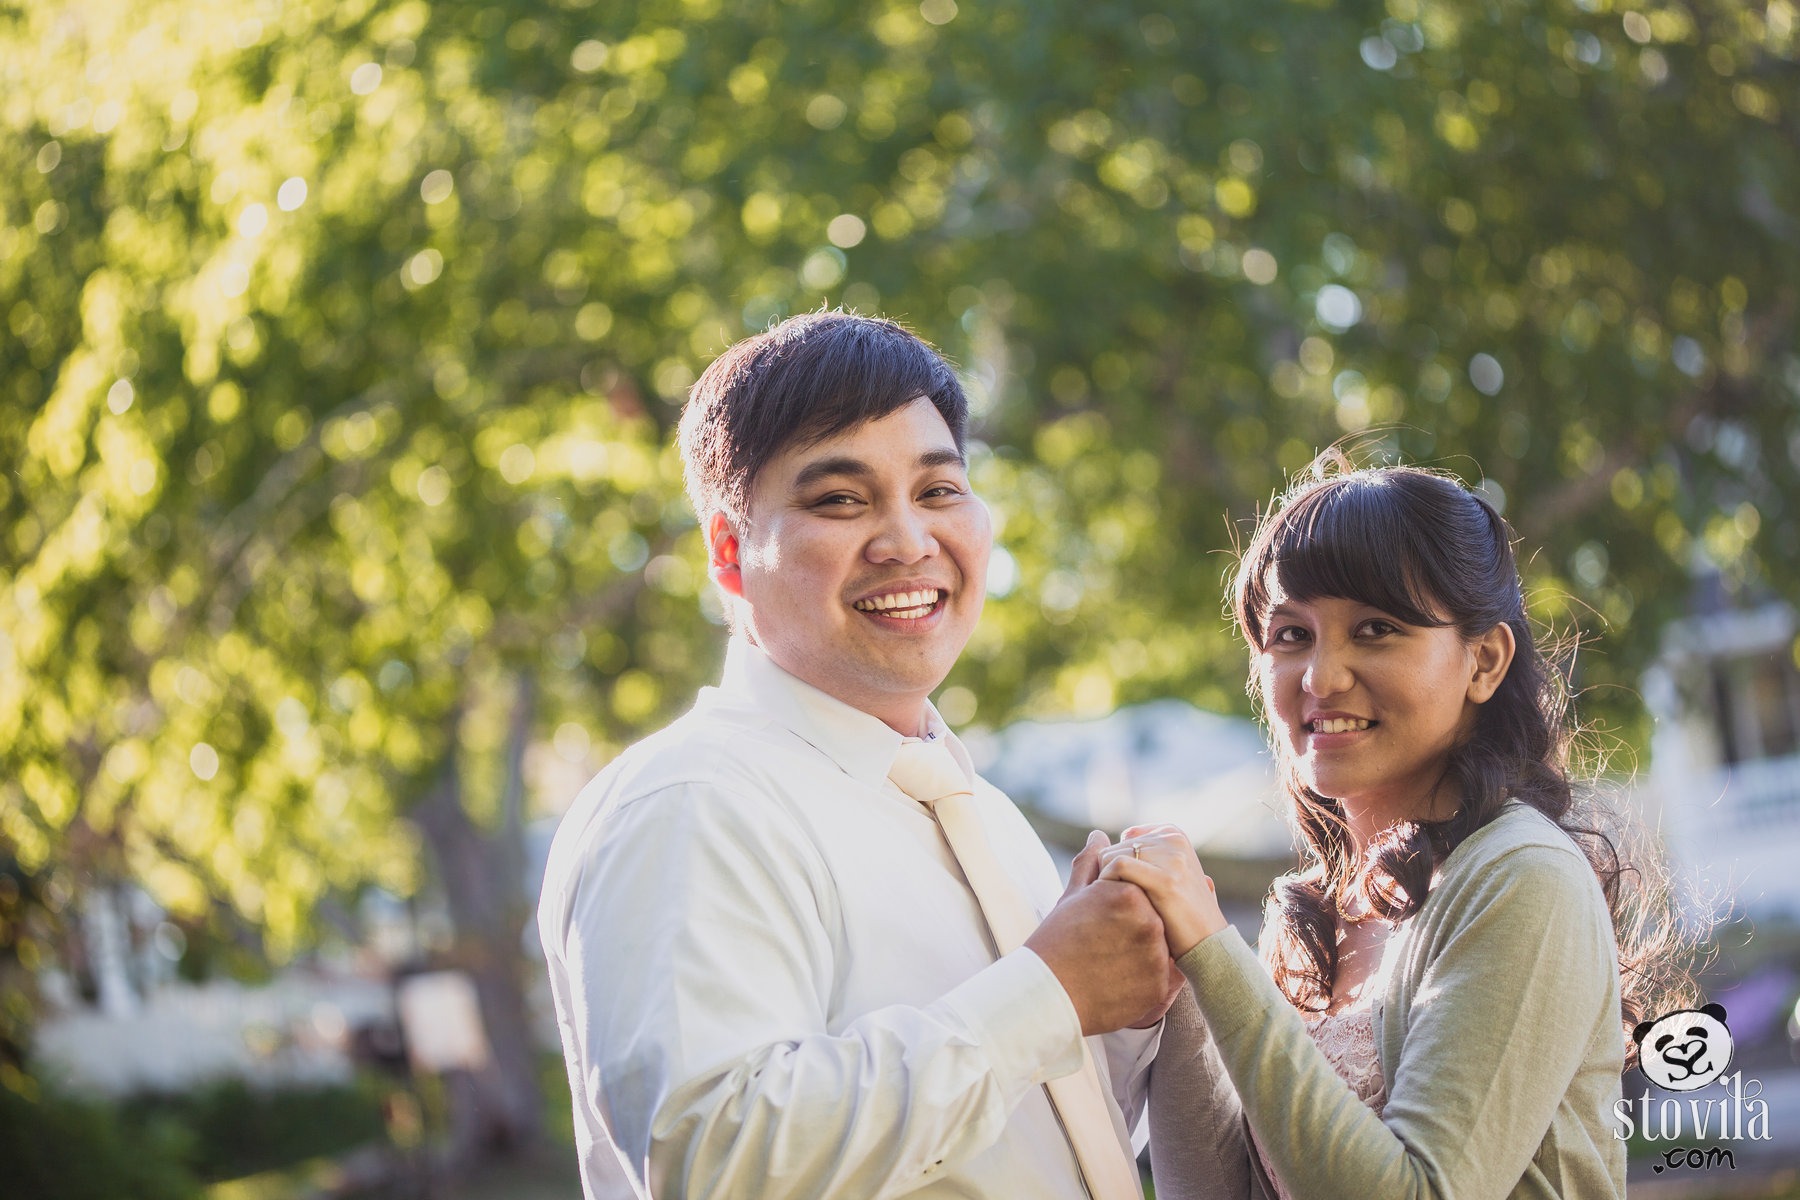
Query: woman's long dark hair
{"type": "Point", "coordinates": [1424, 549]}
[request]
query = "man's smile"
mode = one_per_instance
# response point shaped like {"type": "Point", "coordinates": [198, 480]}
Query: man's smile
{"type": "Point", "coordinates": [907, 606]}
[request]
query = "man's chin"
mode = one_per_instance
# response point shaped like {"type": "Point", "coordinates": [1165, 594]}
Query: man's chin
{"type": "Point", "coordinates": [889, 680]}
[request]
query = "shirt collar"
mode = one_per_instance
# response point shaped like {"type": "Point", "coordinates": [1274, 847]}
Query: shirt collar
{"type": "Point", "coordinates": [864, 746]}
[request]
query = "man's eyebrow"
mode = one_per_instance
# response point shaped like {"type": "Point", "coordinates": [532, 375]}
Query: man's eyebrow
{"type": "Point", "coordinates": [947, 456]}
{"type": "Point", "coordinates": [827, 468]}
{"type": "Point", "coordinates": [842, 464]}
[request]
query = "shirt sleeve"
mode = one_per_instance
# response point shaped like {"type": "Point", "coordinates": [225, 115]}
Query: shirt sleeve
{"type": "Point", "coordinates": [698, 947]}
{"type": "Point", "coordinates": [1500, 1022]}
{"type": "Point", "coordinates": [1129, 1054]}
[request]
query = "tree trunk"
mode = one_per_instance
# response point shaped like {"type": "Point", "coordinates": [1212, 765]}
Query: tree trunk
{"type": "Point", "coordinates": [502, 1108]}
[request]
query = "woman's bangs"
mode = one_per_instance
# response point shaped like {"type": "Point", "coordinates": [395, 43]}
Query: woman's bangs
{"type": "Point", "coordinates": [1346, 542]}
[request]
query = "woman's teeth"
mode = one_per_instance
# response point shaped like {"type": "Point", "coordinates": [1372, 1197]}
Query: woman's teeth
{"type": "Point", "coordinates": [1340, 725]}
{"type": "Point", "coordinates": [905, 605]}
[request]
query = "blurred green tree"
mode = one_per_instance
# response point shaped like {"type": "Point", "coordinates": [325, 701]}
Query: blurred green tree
{"type": "Point", "coordinates": [343, 341]}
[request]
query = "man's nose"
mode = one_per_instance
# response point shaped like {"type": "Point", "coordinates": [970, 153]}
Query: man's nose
{"type": "Point", "coordinates": [904, 536]}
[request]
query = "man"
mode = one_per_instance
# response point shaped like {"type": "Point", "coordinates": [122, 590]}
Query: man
{"type": "Point", "coordinates": [778, 971]}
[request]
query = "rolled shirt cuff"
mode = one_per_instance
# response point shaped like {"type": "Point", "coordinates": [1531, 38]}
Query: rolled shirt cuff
{"type": "Point", "coordinates": [1020, 1013]}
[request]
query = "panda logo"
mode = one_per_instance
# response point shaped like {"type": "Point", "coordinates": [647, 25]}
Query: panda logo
{"type": "Point", "coordinates": [1684, 1050]}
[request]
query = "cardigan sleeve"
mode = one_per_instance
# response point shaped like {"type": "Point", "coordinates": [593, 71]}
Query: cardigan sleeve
{"type": "Point", "coordinates": [1198, 1148]}
{"type": "Point", "coordinates": [1518, 966]}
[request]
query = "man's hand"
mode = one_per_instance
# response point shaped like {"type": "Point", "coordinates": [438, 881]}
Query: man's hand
{"type": "Point", "coordinates": [1176, 982]}
{"type": "Point", "coordinates": [1105, 945]}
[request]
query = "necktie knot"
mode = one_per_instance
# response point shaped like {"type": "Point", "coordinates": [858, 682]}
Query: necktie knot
{"type": "Point", "coordinates": [928, 772]}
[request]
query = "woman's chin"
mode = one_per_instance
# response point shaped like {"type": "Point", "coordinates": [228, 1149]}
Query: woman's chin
{"type": "Point", "coordinates": [1324, 783]}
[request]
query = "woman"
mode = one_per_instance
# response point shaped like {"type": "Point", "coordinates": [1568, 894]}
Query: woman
{"type": "Point", "coordinates": [1441, 1012]}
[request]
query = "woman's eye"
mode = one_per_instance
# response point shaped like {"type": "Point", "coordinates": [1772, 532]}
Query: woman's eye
{"type": "Point", "coordinates": [1380, 628]}
{"type": "Point", "coordinates": [1287, 635]}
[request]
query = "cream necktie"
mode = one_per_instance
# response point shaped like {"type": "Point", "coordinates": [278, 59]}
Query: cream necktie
{"type": "Point", "coordinates": [926, 771]}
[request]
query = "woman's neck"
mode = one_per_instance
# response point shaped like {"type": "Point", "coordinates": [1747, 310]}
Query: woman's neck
{"type": "Point", "coordinates": [1369, 818]}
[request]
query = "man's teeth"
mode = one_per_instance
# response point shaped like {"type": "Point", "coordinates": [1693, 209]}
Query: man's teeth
{"type": "Point", "coordinates": [1341, 725]}
{"type": "Point", "coordinates": [910, 605]}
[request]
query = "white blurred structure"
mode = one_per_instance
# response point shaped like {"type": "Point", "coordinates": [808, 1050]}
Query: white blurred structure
{"type": "Point", "coordinates": [1165, 761]}
{"type": "Point", "coordinates": [441, 1015]}
{"type": "Point", "coordinates": [1725, 768]}
{"type": "Point", "coordinates": [294, 1030]}
{"type": "Point", "coordinates": [147, 1029]}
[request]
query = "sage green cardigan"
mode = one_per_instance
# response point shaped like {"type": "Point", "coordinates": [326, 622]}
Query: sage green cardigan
{"type": "Point", "coordinates": [1497, 1028]}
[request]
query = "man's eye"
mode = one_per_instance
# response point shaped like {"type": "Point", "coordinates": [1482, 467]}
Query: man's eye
{"type": "Point", "coordinates": [942, 490]}
{"type": "Point", "coordinates": [835, 500]}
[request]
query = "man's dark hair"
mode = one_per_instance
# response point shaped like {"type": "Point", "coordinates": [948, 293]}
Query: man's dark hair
{"type": "Point", "coordinates": [807, 379]}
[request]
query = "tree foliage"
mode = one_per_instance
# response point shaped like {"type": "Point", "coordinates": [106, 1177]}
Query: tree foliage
{"type": "Point", "coordinates": [343, 342]}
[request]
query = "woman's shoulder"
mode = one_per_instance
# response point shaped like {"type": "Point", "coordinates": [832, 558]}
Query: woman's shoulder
{"type": "Point", "coordinates": [1520, 846]}
{"type": "Point", "coordinates": [1515, 827]}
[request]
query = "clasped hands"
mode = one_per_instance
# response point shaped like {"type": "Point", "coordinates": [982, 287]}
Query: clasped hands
{"type": "Point", "coordinates": [1129, 912]}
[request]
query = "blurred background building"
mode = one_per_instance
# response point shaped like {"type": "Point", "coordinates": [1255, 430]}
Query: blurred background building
{"type": "Point", "coordinates": [1725, 758]}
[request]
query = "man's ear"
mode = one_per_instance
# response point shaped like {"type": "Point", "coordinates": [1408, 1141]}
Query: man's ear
{"type": "Point", "coordinates": [722, 555]}
{"type": "Point", "coordinates": [1493, 657]}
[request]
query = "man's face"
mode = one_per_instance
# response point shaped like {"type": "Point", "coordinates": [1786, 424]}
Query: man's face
{"type": "Point", "coordinates": [864, 562]}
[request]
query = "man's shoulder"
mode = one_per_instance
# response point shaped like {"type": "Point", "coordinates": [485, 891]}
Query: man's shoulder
{"type": "Point", "coordinates": [708, 747]}
{"type": "Point", "coordinates": [702, 771]}
{"type": "Point", "coordinates": [715, 754]}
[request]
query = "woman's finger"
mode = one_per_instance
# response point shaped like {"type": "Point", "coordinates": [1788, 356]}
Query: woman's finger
{"type": "Point", "coordinates": [1162, 832]}
{"type": "Point", "coordinates": [1152, 879]}
{"type": "Point", "coordinates": [1166, 851]}
{"type": "Point", "coordinates": [1130, 848]}
{"type": "Point", "coordinates": [1184, 918]}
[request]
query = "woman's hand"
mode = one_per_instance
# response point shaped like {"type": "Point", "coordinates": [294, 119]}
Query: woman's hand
{"type": "Point", "coordinates": [1160, 859]}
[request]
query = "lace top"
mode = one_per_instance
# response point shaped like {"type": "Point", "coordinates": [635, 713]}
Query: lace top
{"type": "Point", "coordinates": [1347, 1039]}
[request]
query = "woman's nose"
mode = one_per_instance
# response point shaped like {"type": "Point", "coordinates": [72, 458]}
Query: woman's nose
{"type": "Point", "coordinates": [1327, 672]}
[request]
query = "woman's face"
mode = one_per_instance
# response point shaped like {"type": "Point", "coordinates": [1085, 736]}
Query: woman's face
{"type": "Point", "coordinates": [1366, 706]}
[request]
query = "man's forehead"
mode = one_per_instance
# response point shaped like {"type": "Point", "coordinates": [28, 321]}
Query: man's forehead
{"type": "Point", "coordinates": [871, 441]}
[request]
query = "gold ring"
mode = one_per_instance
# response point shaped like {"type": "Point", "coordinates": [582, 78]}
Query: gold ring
{"type": "Point", "coordinates": [1137, 850]}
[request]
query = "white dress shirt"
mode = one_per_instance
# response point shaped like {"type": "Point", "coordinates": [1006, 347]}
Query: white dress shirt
{"type": "Point", "coordinates": [771, 979]}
